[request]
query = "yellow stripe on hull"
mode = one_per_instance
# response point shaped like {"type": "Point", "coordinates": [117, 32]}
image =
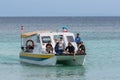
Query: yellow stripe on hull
{"type": "Point", "coordinates": [37, 55]}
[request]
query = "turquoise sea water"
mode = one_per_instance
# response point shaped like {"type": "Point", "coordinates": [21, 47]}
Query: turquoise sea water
{"type": "Point", "coordinates": [101, 36]}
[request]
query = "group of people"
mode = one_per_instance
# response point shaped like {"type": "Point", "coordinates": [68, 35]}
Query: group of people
{"type": "Point", "coordinates": [70, 49]}
{"type": "Point", "coordinates": [80, 45]}
{"type": "Point", "coordinates": [59, 47]}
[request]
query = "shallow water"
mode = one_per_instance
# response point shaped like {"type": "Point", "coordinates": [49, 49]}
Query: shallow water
{"type": "Point", "coordinates": [100, 36]}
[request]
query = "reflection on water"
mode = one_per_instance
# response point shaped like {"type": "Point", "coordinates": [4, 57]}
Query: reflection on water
{"type": "Point", "coordinates": [52, 73]}
{"type": "Point", "coordinates": [11, 66]}
{"type": "Point", "coordinates": [70, 71]}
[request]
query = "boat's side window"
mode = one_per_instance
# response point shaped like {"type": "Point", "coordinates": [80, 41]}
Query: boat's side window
{"type": "Point", "coordinates": [46, 39]}
{"type": "Point", "coordinates": [70, 38]}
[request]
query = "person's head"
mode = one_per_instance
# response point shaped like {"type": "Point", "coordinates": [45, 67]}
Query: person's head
{"type": "Point", "coordinates": [61, 38]}
{"type": "Point", "coordinates": [69, 44]}
{"type": "Point", "coordinates": [78, 34]}
{"type": "Point", "coordinates": [57, 43]}
{"type": "Point", "coordinates": [81, 42]}
{"type": "Point", "coordinates": [29, 45]}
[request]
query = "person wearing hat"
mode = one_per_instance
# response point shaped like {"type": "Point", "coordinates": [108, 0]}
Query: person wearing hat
{"type": "Point", "coordinates": [77, 39]}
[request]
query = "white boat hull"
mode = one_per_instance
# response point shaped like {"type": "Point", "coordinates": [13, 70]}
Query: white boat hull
{"type": "Point", "coordinates": [38, 59]}
{"type": "Point", "coordinates": [71, 60]}
{"type": "Point", "coordinates": [49, 62]}
{"type": "Point", "coordinates": [52, 59]}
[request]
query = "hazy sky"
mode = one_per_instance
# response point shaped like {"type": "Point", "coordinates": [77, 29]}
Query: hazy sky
{"type": "Point", "coordinates": [59, 7]}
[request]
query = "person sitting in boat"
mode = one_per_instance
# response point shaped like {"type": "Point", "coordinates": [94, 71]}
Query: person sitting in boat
{"type": "Point", "coordinates": [81, 48]}
{"type": "Point", "coordinates": [57, 50]}
{"type": "Point", "coordinates": [61, 45]}
{"type": "Point", "coordinates": [29, 48]}
{"type": "Point", "coordinates": [49, 47]}
{"type": "Point", "coordinates": [70, 49]}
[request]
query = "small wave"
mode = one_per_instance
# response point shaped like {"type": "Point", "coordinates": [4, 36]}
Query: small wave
{"type": "Point", "coordinates": [10, 63]}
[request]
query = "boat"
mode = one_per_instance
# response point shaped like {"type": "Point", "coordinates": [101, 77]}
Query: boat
{"type": "Point", "coordinates": [37, 54]}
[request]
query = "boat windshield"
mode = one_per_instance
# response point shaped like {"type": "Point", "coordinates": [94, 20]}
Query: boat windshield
{"type": "Point", "coordinates": [57, 37]}
{"type": "Point", "coordinates": [70, 38]}
{"type": "Point", "coordinates": [46, 39]}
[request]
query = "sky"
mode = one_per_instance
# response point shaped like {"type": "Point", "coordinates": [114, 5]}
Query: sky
{"type": "Point", "coordinates": [59, 7]}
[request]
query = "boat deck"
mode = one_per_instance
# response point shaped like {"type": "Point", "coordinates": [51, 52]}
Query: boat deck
{"type": "Point", "coordinates": [68, 54]}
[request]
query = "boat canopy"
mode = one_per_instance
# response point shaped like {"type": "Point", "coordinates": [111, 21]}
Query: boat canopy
{"type": "Point", "coordinates": [25, 35]}
{"type": "Point", "coordinates": [29, 34]}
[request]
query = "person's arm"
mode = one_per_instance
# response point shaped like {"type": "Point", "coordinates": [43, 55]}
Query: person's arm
{"type": "Point", "coordinates": [84, 47]}
{"type": "Point", "coordinates": [73, 49]}
{"type": "Point", "coordinates": [46, 45]}
{"type": "Point", "coordinates": [75, 39]}
{"type": "Point", "coordinates": [66, 48]}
